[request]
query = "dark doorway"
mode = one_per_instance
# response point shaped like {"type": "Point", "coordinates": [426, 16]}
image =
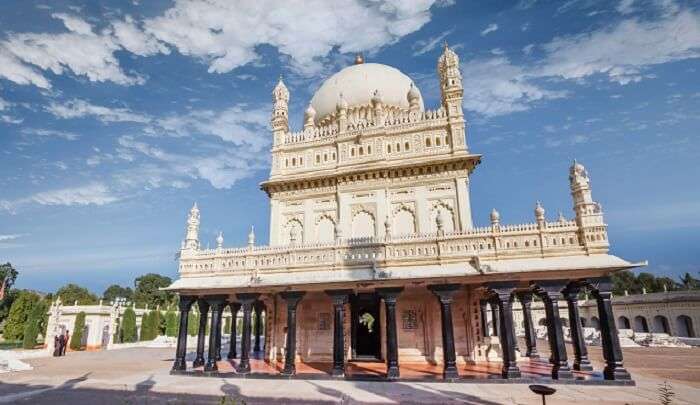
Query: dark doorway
{"type": "Point", "coordinates": [366, 333]}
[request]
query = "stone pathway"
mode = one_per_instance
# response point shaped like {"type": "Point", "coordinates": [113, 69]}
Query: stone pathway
{"type": "Point", "coordinates": [141, 376]}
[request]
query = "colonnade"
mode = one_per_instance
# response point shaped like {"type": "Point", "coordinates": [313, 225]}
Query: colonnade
{"type": "Point", "coordinates": [215, 305]}
{"type": "Point", "coordinates": [499, 294]}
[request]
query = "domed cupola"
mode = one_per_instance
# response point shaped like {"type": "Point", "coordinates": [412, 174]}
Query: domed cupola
{"type": "Point", "coordinates": [360, 85]}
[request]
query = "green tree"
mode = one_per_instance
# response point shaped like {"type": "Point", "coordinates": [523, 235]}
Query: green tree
{"type": "Point", "coordinates": [71, 293]}
{"type": "Point", "coordinates": [19, 313]}
{"type": "Point", "coordinates": [192, 323]}
{"type": "Point", "coordinates": [6, 303]}
{"type": "Point", "coordinates": [129, 326]}
{"type": "Point", "coordinates": [114, 291]}
{"type": "Point", "coordinates": [171, 323]}
{"type": "Point", "coordinates": [148, 290]}
{"type": "Point", "coordinates": [157, 324]}
{"type": "Point", "coordinates": [146, 325]}
{"type": "Point", "coordinates": [625, 281]}
{"type": "Point", "coordinates": [76, 341]}
{"type": "Point", "coordinates": [34, 324]}
{"type": "Point", "coordinates": [689, 282]}
{"type": "Point", "coordinates": [8, 276]}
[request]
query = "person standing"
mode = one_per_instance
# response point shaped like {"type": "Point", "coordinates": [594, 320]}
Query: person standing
{"type": "Point", "coordinates": [66, 339]}
{"type": "Point", "coordinates": [56, 346]}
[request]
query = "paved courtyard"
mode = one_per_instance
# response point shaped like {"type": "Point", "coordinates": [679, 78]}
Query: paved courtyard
{"type": "Point", "coordinates": [141, 376]}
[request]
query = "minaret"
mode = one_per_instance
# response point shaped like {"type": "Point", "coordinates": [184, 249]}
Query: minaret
{"type": "Point", "coordinates": [589, 215]}
{"type": "Point", "coordinates": [452, 92]}
{"type": "Point", "coordinates": [280, 113]}
{"type": "Point", "coordinates": [192, 236]}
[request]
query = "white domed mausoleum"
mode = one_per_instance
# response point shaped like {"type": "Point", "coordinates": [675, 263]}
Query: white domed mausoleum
{"type": "Point", "coordinates": [374, 263]}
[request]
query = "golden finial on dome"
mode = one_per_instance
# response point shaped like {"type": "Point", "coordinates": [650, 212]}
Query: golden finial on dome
{"type": "Point", "coordinates": [359, 59]}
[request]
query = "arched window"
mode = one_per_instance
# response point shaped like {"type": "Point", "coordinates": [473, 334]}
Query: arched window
{"type": "Point", "coordinates": [623, 322]}
{"type": "Point", "coordinates": [362, 225]}
{"type": "Point", "coordinates": [398, 147]}
{"type": "Point", "coordinates": [660, 325]}
{"type": "Point", "coordinates": [325, 230]}
{"type": "Point", "coordinates": [352, 152]}
{"type": "Point", "coordinates": [369, 149]}
{"type": "Point", "coordinates": [640, 324]}
{"type": "Point", "coordinates": [294, 161]}
{"type": "Point", "coordinates": [542, 322]}
{"type": "Point", "coordinates": [388, 148]}
{"type": "Point", "coordinates": [407, 146]}
{"type": "Point", "coordinates": [362, 151]}
{"type": "Point", "coordinates": [404, 222]}
{"type": "Point", "coordinates": [325, 157]}
{"type": "Point", "coordinates": [684, 326]}
{"type": "Point", "coordinates": [595, 323]}
{"type": "Point", "coordinates": [318, 158]}
{"type": "Point", "coordinates": [437, 141]}
{"type": "Point", "coordinates": [427, 142]}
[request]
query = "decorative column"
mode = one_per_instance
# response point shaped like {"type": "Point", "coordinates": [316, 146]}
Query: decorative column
{"type": "Point", "coordinates": [389, 295]}
{"type": "Point", "coordinates": [484, 321]}
{"type": "Point", "coordinates": [246, 300]}
{"type": "Point", "coordinates": [581, 362]}
{"type": "Point", "coordinates": [258, 325]}
{"type": "Point", "coordinates": [216, 303]}
{"type": "Point", "coordinates": [340, 298]}
{"type": "Point", "coordinates": [203, 312]}
{"type": "Point", "coordinates": [612, 353]}
{"type": "Point", "coordinates": [530, 336]}
{"type": "Point", "coordinates": [184, 304]}
{"type": "Point", "coordinates": [503, 296]}
{"type": "Point", "coordinates": [292, 298]}
{"type": "Point", "coordinates": [235, 306]}
{"type": "Point", "coordinates": [444, 294]}
{"type": "Point", "coordinates": [218, 331]}
{"type": "Point", "coordinates": [550, 292]}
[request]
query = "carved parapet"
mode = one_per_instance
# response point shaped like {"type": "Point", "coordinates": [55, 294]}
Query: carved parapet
{"type": "Point", "coordinates": [509, 242]}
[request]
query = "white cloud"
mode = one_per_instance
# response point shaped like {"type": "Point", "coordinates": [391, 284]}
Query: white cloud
{"type": "Point", "coordinates": [135, 40]}
{"type": "Point", "coordinates": [625, 6]}
{"type": "Point", "coordinates": [47, 133]}
{"type": "Point", "coordinates": [494, 86]}
{"type": "Point", "coordinates": [426, 45]}
{"type": "Point", "coordinates": [224, 34]}
{"type": "Point", "coordinates": [625, 50]}
{"type": "Point", "coordinates": [11, 120]}
{"type": "Point", "coordinates": [79, 50]}
{"type": "Point", "coordinates": [95, 193]}
{"type": "Point", "coordinates": [77, 108]}
{"type": "Point", "coordinates": [6, 238]}
{"type": "Point", "coordinates": [527, 49]}
{"type": "Point", "coordinates": [4, 104]}
{"type": "Point", "coordinates": [489, 29]}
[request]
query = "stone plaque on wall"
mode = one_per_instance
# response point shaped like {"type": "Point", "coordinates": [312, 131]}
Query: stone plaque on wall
{"type": "Point", "coordinates": [409, 319]}
{"type": "Point", "coordinates": [324, 321]}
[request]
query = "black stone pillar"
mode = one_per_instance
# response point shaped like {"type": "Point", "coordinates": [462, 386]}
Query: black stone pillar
{"type": "Point", "coordinates": [220, 314]}
{"type": "Point", "coordinates": [484, 318]}
{"type": "Point", "coordinates": [258, 325]}
{"type": "Point", "coordinates": [494, 317]}
{"type": "Point", "coordinates": [247, 300]}
{"type": "Point", "coordinates": [530, 336]}
{"type": "Point", "coordinates": [389, 295]}
{"type": "Point", "coordinates": [292, 298]}
{"type": "Point", "coordinates": [235, 306]}
{"type": "Point", "coordinates": [444, 293]}
{"type": "Point", "coordinates": [581, 362]}
{"type": "Point", "coordinates": [612, 353]}
{"type": "Point", "coordinates": [503, 297]}
{"type": "Point", "coordinates": [340, 298]}
{"type": "Point", "coordinates": [203, 312]}
{"type": "Point", "coordinates": [550, 292]}
{"type": "Point", "coordinates": [216, 303]}
{"type": "Point", "coordinates": [184, 304]}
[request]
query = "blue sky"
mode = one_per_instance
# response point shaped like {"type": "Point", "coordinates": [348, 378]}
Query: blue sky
{"type": "Point", "coordinates": [116, 116]}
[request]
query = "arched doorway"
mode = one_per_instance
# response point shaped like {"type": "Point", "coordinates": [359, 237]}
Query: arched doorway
{"type": "Point", "coordinates": [595, 323]}
{"type": "Point", "coordinates": [365, 331]}
{"type": "Point", "coordinates": [661, 325]}
{"type": "Point", "coordinates": [623, 322]}
{"type": "Point", "coordinates": [684, 325]}
{"type": "Point", "coordinates": [640, 324]}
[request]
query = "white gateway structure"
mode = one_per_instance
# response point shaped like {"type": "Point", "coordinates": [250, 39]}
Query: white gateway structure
{"type": "Point", "coordinates": [370, 203]}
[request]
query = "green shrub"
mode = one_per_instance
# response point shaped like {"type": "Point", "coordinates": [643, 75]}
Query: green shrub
{"type": "Point", "coordinates": [19, 314]}
{"type": "Point", "coordinates": [33, 325]}
{"type": "Point", "coordinates": [227, 326]}
{"type": "Point", "coordinates": [171, 323]}
{"type": "Point", "coordinates": [192, 323]}
{"type": "Point", "coordinates": [77, 338]}
{"type": "Point", "coordinates": [129, 326]}
{"type": "Point", "coordinates": [146, 327]}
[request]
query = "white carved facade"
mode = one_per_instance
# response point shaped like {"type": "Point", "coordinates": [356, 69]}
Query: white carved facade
{"type": "Point", "coordinates": [374, 192]}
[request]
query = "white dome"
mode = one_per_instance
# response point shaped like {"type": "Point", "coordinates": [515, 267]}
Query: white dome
{"type": "Point", "coordinates": [358, 83]}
